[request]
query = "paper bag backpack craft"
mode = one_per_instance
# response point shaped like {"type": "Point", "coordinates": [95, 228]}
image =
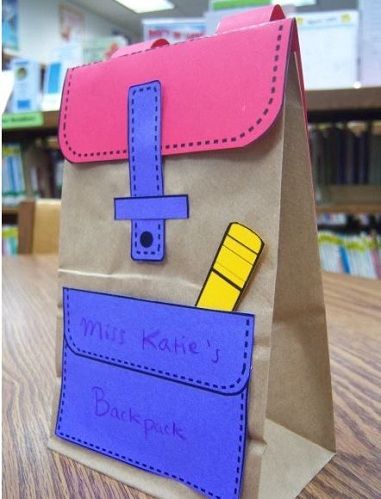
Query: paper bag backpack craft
{"type": "Point", "coordinates": [182, 370]}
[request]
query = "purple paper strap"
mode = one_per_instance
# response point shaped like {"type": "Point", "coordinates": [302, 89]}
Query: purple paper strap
{"type": "Point", "coordinates": [154, 207]}
{"type": "Point", "coordinates": [148, 207]}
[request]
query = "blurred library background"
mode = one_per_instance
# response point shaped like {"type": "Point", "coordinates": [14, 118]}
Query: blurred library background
{"type": "Point", "coordinates": [341, 54]}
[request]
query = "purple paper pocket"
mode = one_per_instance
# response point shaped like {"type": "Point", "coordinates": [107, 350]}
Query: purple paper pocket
{"type": "Point", "coordinates": [159, 386]}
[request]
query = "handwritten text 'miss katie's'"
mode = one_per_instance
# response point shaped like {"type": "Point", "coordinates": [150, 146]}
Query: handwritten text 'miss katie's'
{"type": "Point", "coordinates": [154, 341]}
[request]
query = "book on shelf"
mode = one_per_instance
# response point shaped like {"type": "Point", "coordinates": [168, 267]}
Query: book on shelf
{"type": "Point", "coordinates": [30, 171]}
{"type": "Point", "coordinates": [57, 162]}
{"type": "Point", "coordinates": [375, 159]}
{"type": "Point", "coordinates": [9, 240]}
{"type": "Point", "coordinates": [350, 244]}
{"type": "Point", "coordinates": [26, 94]}
{"type": "Point", "coordinates": [346, 154]}
{"type": "Point", "coordinates": [13, 180]}
{"type": "Point", "coordinates": [357, 255]}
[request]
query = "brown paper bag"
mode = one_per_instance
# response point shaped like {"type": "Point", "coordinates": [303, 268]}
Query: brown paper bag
{"type": "Point", "coordinates": [267, 186]}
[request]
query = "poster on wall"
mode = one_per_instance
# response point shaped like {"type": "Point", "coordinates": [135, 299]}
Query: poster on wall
{"type": "Point", "coordinates": [173, 30]}
{"type": "Point", "coordinates": [100, 49]}
{"type": "Point", "coordinates": [72, 23]}
{"type": "Point", "coordinates": [10, 35]}
{"type": "Point", "coordinates": [334, 34]}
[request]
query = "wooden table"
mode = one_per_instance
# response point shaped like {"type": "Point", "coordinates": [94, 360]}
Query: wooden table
{"type": "Point", "coordinates": [30, 471]}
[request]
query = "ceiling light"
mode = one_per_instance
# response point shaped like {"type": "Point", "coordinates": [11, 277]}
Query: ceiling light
{"type": "Point", "coordinates": [141, 6]}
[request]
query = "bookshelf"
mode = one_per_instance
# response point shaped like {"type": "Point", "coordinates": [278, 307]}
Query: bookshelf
{"type": "Point", "coordinates": [344, 104]}
{"type": "Point", "coordinates": [323, 106]}
{"type": "Point", "coordinates": [350, 199]}
{"type": "Point", "coordinates": [29, 125]}
{"type": "Point", "coordinates": [36, 133]}
{"type": "Point", "coordinates": [350, 208]}
{"type": "Point", "coordinates": [345, 135]}
{"type": "Point", "coordinates": [7, 56]}
{"type": "Point", "coordinates": [355, 103]}
{"type": "Point", "coordinates": [10, 210]}
{"type": "Point", "coordinates": [338, 106]}
{"type": "Point", "coordinates": [344, 99]}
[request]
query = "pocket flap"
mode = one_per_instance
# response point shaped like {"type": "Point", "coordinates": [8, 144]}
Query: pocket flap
{"type": "Point", "coordinates": [207, 349]}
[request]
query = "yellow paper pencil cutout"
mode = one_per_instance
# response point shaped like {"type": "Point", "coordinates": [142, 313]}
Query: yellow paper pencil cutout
{"type": "Point", "coordinates": [231, 269]}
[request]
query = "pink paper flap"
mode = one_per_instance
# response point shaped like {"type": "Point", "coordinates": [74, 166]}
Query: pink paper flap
{"type": "Point", "coordinates": [222, 91]}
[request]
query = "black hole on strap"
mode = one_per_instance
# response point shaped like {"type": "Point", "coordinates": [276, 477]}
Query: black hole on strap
{"type": "Point", "coordinates": [146, 239]}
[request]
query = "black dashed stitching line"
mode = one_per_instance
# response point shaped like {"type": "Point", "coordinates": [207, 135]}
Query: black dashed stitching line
{"type": "Point", "coordinates": [63, 390]}
{"type": "Point", "coordinates": [164, 146]}
{"type": "Point", "coordinates": [240, 446]}
{"type": "Point", "coordinates": [132, 461]}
